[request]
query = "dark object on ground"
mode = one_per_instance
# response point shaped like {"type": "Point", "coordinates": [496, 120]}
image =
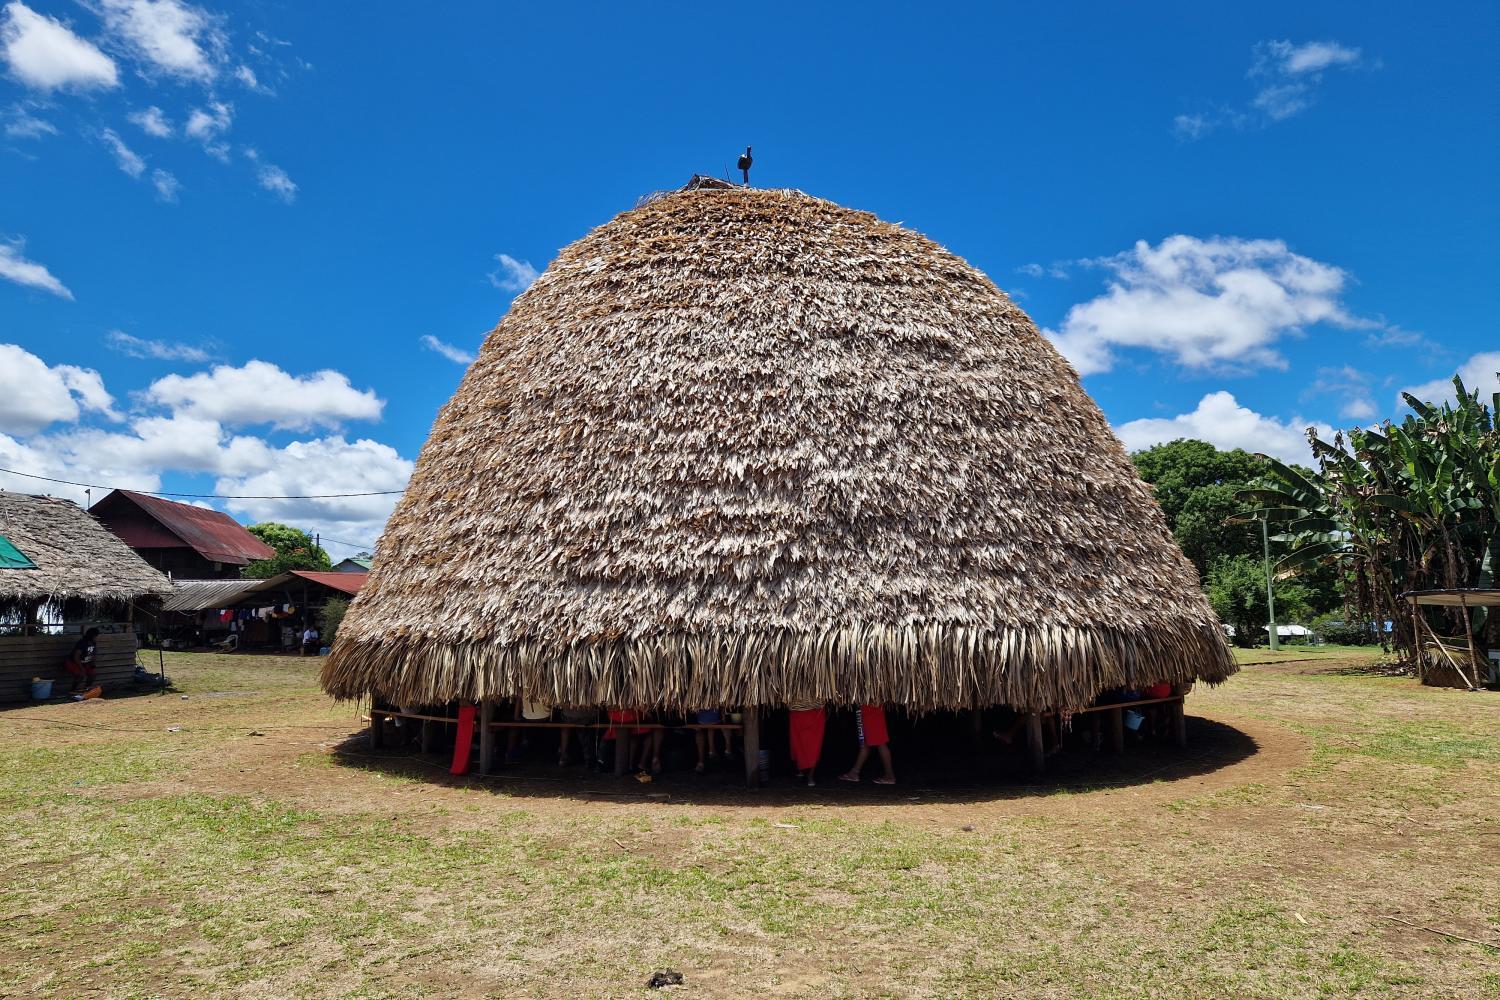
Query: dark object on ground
{"type": "Point", "coordinates": [744, 165]}
{"type": "Point", "coordinates": [666, 977]}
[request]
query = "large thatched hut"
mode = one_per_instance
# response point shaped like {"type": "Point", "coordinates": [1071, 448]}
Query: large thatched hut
{"type": "Point", "coordinates": [61, 570]}
{"type": "Point", "coordinates": [748, 447]}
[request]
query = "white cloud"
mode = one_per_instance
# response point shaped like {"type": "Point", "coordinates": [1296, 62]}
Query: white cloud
{"type": "Point", "coordinates": [261, 393]}
{"type": "Point", "coordinates": [1351, 387]}
{"type": "Point", "coordinates": [1296, 60]}
{"type": "Point", "coordinates": [166, 185]}
{"type": "Point", "coordinates": [247, 76]}
{"type": "Point", "coordinates": [46, 54]}
{"type": "Point", "coordinates": [20, 123]}
{"type": "Point", "coordinates": [160, 350]}
{"type": "Point", "coordinates": [1192, 126]}
{"type": "Point", "coordinates": [1290, 76]}
{"type": "Point", "coordinates": [326, 465]}
{"type": "Point", "coordinates": [457, 355]}
{"type": "Point", "coordinates": [512, 275]}
{"type": "Point", "coordinates": [125, 157]}
{"type": "Point", "coordinates": [43, 459]}
{"type": "Point", "coordinates": [152, 121]}
{"type": "Point", "coordinates": [177, 38]}
{"type": "Point", "coordinates": [1479, 372]}
{"type": "Point", "coordinates": [208, 126]}
{"type": "Point", "coordinates": [1224, 423]}
{"type": "Point", "coordinates": [276, 181]}
{"type": "Point", "coordinates": [33, 395]}
{"type": "Point", "coordinates": [15, 267]}
{"type": "Point", "coordinates": [1206, 304]}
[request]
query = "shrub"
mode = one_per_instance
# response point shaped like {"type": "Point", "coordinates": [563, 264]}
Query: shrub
{"type": "Point", "coordinates": [332, 614]}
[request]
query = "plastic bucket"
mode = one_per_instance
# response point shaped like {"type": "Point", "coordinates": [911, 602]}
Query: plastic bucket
{"type": "Point", "coordinates": [1133, 719]}
{"type": "Point", "coordinates": [41, 690]}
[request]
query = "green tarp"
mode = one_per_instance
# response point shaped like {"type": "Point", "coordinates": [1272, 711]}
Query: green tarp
{"type": "Point", "coordinates": [12, 557]}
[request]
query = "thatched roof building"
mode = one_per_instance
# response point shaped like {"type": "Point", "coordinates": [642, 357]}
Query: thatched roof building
{"type": "Point", "coordinates": [71, 557]}
{"type": "Point", "coordinates": [748, 447]}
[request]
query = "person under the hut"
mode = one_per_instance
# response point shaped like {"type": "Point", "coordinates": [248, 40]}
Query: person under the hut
{"type": "Point", "coordinates": [80, 661]}
{"type": "Point", "coordinates": [872, 735]}
{"type": "Point", "coordinates": [311, 640]}
{"type": "Point", "coordinates": [807, 722]}
{"type": "Point", "coordinates": [707, 739]}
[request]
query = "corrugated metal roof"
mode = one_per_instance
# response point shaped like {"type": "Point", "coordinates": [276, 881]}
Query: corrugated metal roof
{"type": "Point", "coordinates": [202, 595]}
{"type": "Point", "coordinates": [348, 583]}
{"type": "Point", "coordinates": [212, 534]}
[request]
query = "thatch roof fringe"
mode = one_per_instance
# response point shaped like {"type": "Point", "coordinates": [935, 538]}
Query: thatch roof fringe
{"type": "Point", "coordinates": [922, 669]}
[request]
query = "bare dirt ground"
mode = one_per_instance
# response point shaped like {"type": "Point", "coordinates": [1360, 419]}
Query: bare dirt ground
{"type": "Point", "coordinates": [1329, 832]}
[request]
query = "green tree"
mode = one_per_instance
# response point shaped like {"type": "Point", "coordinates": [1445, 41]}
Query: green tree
{"type": "Point", "coordinates": [1198, 488]}
{"type": "Point", "coordinates": [331, 617]}
{"type": "Point", "coordinates": [294, 550]}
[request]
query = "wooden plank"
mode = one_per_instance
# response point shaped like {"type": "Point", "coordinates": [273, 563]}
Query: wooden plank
{"type": "Point", "coordinates": [486, 737]}
{"type": "Point", "coordinates": [1034, 742]}
{"type": "Point", "coordinates": [752, 747]}
{"type": "Point", "coordinates": [1117, 729]}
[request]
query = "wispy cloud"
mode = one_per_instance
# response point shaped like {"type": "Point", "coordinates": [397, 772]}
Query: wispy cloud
{"type": "Point", "coordinates": [1289, 76]}
{"type": "Point", "coordinates": [276, 181]}
{"type": "Point", "coordinates": [169, 36]}
{"type": "Point", "coordinates": [20, 123]}
{"type": "Point", "coordinates": [1057, 269]}
{"type": "Point", "coordinates": [208, 126]}
{"type": "Point", "coordinates": [125, 157]}
{"type": "Point", "coordinates": [44, 53]}
{"type": "Point", "coordinates": [512, 275]}
{"type": "Point", "coordinates": [166, 185]}
{"type": "Point", "coordinates": [153, 122]}
{"type": "Point", "coordinates": [159, 350]}
{"type": "Point", "coordinates": [457, 355]}
{"type": "Point", "coordinates": [1350, 386]}
{"type": "Point", "coordinates": [15, 267]}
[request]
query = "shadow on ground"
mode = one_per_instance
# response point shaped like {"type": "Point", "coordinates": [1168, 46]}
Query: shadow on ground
{"type": "Point", "coordinates": [925, 769]}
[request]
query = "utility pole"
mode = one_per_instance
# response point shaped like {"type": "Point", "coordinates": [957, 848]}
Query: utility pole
{"type": "Point", "coordinates": [1265, 542]}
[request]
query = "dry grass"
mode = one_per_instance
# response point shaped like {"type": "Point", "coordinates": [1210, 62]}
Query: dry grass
{"type": "Point", "coordinates": [245, 855]}
{"type": "Point", "coordinates": [746, 447]}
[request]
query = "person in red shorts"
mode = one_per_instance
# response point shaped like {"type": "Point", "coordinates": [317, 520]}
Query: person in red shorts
{"type": "Point", "coordinates": [872, 734]}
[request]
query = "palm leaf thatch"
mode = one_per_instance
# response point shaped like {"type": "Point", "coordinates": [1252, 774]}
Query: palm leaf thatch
{"type": "Point", "coordinates": [750, 447]}
{"type": "Point", "coordinates": [75, 557]}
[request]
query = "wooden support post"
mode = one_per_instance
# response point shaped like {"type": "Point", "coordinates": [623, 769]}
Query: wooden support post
{"type": "Point", "coordinates": [377, 729]}
{"type": "Point", "coordinates": [976, 729]}
{"type": "Point", "coordinates": [486, 738]}
{"type": "Point", "coordinates": [429, 735]}
{"type": "Point", "coordinates": [751, 740]}
{"type": "Point", "coordinates": [1117, 729]}
{"type": "Point", "coordinates": [1179, 721]}
{"type": "Point", "coordinates": [622, 748]}
{"type": "Point", "coordinates": [1034, 742]}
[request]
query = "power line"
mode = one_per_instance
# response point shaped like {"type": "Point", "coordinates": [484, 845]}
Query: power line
{"type": "Point", "coordinates": [207, 496]}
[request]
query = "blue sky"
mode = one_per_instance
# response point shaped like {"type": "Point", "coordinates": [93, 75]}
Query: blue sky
{"type": "Point", "coordinates": [232, 235]}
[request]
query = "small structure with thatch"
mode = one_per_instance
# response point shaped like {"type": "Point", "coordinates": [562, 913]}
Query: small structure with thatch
{"type": "Point", "coordinates": [63, 569]}
{"type": "Point", "coordinates": [749, 448]}
{"type": "Point", "coordinates": [1454, 662]}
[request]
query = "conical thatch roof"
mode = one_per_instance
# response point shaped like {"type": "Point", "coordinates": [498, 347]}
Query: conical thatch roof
{"type": "Point", "coordinates": [73, 556]}
{"type": "Point", "coordinates": [750, 447]}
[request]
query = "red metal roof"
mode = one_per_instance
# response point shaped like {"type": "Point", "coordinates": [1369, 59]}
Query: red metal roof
{"type": "Point", "coordinates": [348, 583]}
{"type": "Point", "coordinates": [212, 534]}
